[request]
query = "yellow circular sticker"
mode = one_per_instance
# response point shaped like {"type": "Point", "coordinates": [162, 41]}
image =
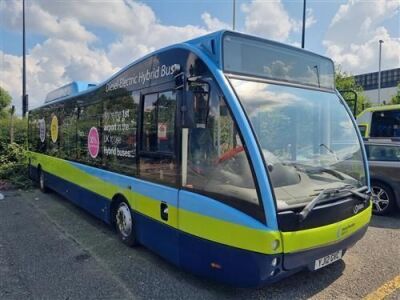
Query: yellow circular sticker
{"type": "Point", "coordinates": [54, 129]}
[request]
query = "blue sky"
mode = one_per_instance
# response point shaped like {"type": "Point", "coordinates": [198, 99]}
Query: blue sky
{"type": "Point", "coordinates": [181, 13]}
{"type": "Point", "coordinates": [90, 40]}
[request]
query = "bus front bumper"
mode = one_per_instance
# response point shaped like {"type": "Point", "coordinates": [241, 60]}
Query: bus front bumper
{"type": "Point", "coordinates": [307, 258]}
{"type": "Point", "coordinates": [302, 248]}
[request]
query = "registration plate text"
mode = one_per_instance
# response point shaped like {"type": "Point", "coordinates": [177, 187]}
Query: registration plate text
{"type": "Point", "coordinates": [327, 260]}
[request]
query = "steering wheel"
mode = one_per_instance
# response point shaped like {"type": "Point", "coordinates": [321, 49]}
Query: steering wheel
{"type": "Point", "coordinates": [230, 154]}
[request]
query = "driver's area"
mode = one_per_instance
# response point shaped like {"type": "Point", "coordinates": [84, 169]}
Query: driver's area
{"type": "Point", "coordinates": [217, 163]}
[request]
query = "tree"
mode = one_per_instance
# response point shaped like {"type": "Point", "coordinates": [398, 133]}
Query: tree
{"type": "Point", "coordinates": [5, 101]}
{"type": "Point", "coordinates": [396, 98]}
{"type": "Point", "coordinates": [345, 81]}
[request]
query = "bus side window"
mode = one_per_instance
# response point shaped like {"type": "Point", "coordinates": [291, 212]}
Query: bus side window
{"type": "Point", "coordinates": [218, 165]}
{"type": "Point", "coordinates": [89, 134]}
{"type": "Point", "coordinates": [68, 131]}
{"type": "Point", "coordinates": [119, 132]}
{"type": "Point", "coordinates": [157, 151]}
{"type": "Point", "coordinates": [385, 123]}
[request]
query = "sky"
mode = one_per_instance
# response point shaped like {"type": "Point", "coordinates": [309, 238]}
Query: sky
{"type": "Point", "coordinates": [91, 40]}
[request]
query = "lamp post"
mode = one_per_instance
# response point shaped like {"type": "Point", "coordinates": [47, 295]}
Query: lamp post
{"type": "Point", "coordinates": [24, 95]}
{"type": "Point", "coordinates": [379, 72]}
{"type": "Point", "coordinates": [233, 14]}
{"type": "Point", "coordinates": [303, 32]}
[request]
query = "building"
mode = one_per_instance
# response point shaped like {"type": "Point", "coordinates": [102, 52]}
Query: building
{"type": "Point", "coordinates": [389, 81]}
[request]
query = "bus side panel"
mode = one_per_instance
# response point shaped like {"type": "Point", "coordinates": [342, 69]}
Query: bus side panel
{"type": "Point", "coordinates": [223, 243]}
{"type": "Point", "coordinates": [94, 203]}
{"type": "Point", "coordinates": [164, 242]}
{"type": "Point", "coordinates": [33, 173]}
{"type": "Point", "coordinates": [93, 188]}
{"type": "Point", "coordinates": [224, 263]}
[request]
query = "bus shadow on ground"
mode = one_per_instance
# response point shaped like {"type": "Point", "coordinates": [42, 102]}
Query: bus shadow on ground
{"type": "Point", "coordinates": [391, 221]}
{"type": "Point", "coordinates": [302, 285]}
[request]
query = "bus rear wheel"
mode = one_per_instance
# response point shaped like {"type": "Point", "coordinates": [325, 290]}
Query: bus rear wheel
{"type": "Point", "coordinates": [124, 224]}
{"type": "Point", "coordinates": [42, 181]}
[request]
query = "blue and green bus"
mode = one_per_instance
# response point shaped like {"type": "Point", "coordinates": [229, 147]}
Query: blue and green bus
{"type": "Point", "coordinates": [231, 156]}
{"type": "Point", "coordinates": [380, 121]}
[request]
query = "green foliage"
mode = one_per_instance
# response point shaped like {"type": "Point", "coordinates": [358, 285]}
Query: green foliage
{"type": "Point", "coordinates": [13, 159]}
{"type": "Point", "coordinates": [14, 165]}
{"type": "Point", "coordinates": [20, 130]}
{"type": "Point", "coordinates": [396, 98]}
{"type": "Point", "coordinates": [5, 101]}
{"type": "Point", "coordinates": [346, 81]}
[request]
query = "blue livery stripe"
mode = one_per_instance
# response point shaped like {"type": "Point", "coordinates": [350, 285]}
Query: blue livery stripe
{"type": "Point", "coordinates": [212, 208]}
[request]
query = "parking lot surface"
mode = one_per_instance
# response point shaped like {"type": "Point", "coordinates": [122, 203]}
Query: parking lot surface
{"type": "Point", "coordinates": [51, 249]}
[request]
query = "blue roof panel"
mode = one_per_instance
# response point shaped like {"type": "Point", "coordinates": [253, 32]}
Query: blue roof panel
{"type": "Point", "coordinates": [69, 89]}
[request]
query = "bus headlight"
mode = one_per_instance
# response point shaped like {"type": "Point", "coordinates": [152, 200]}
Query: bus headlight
{"type": "Point", "coordinates": [275, 244]}
{"type": "Point", "coordinates": [274, 262]}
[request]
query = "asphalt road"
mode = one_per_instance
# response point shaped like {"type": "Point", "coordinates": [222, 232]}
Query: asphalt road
{"type": "Point", "coordinates": [50, 249]}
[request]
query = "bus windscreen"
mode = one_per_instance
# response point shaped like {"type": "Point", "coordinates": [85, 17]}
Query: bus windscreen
{"type": "Point", "coordinates": [270, 60]}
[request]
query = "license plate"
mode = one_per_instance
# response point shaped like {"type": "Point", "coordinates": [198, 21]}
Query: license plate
{"type": "Point", "coordinates": [327, 260]}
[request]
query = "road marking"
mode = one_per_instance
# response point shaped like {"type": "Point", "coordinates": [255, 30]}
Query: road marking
{"type": "Point", "coordinates": [385, 290]}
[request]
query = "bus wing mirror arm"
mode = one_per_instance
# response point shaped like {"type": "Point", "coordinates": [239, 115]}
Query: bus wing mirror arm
{"type": "Point", "coordinates": [180, 81]}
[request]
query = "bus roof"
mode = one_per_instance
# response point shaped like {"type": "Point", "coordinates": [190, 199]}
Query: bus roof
{"type": "Point", "coordinates": [380, 108]}
{"type": "Point", "coordinates": [70, 89]}
{"type": "Point", "coordinates": [210, 43]}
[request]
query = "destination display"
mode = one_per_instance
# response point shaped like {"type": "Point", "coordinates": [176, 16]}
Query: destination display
{"type": "Point", "coordinates": [142, 77]}
{"type": "Point", "coordinates": [270, 60]}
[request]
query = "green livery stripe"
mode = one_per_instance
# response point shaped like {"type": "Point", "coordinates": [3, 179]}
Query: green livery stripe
{"type": "Point", "coordinates": [318, 237]}
{"type": "Point", "coordinates": [151, 208]}
{"type": "Point", "coordinates": [228, 233]}
{"type": "Point", "coordinates": [64, 170]}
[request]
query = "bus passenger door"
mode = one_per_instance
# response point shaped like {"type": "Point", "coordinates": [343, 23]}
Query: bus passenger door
{"type": "Point", "coordinates": [157, 201]}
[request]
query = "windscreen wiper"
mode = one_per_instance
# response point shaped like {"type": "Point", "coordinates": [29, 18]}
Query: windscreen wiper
{"type": "Point", "coordinates": [357, 193]}
{"type": "Point", "coordinates": [328, 192]}
{"type": "Point", "coordinates": [330, 171]}
{"type": "Point", "coordinates": [308, 208]}
{"type": "Point", "coordinates": [315, 170]}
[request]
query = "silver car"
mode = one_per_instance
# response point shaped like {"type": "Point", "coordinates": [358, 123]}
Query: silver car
{"type": "Point", "coordinates": [384, 165]}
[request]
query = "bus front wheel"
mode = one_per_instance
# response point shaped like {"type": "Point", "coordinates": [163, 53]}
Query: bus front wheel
{"type": "Point", "coordinates": [125, 224]}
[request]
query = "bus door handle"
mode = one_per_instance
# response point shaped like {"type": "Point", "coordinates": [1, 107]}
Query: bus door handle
{"type": "Point", "coordinates": [164, 211]}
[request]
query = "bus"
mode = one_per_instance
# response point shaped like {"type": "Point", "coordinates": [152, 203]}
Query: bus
{"type": "Point", "coordinates": [230, 156]}
{"type": "Point", "coordinates": [380, 122]}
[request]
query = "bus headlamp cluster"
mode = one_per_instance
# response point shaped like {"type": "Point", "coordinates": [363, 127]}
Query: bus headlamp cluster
{"type": "Point", "coordinates": [274, 262]}
{"type": "Point", "coordinates": [275, 245]}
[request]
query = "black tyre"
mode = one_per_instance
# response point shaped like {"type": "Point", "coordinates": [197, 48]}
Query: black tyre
{"type": "Point", "coordinates": [125, 225]}
{"type": "Point", "coordinates": [383, 199]}
{"type": "Point", "coordinates": [42, 181]}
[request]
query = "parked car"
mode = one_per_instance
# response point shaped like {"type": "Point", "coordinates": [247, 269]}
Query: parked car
{"type": "Point", "coordinates": [384, 165]}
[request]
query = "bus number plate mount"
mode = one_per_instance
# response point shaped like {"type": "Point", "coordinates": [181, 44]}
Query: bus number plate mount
{"type": "Point", "coordinates": [327, 260]}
